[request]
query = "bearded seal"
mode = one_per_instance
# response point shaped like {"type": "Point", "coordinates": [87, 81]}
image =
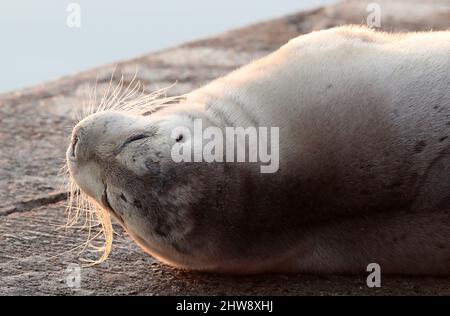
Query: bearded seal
{"type": "Point", "coordinates": [364, 162]}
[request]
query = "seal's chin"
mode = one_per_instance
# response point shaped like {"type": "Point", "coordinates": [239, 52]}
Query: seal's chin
{"type": "Point", "coordinates": [105, 204]}
{"type": "Point", "coordinates": [88, 179]}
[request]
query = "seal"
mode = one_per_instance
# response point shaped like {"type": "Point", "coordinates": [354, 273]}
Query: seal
{"type": "Point", "coordinates": [364, 162]}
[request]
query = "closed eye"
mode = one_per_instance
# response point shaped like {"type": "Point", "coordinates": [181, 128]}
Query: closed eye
{"type": "Point", "coordinates": [135, 138]}
{"type": "Point", "coordinates": [129, 141]}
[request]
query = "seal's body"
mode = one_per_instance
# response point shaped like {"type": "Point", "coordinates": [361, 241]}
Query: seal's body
{"type": "Point", "coordinates": [364, 162]}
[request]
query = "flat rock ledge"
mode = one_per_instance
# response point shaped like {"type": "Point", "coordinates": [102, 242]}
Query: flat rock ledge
{"type": "Point", "coordinates": [35, 124]}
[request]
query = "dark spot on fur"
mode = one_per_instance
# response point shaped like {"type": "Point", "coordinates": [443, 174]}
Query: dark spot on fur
{"type": "Point", "coordinates": [123, 198]}
{"type": "Point", "coordinates": [419, 146]}
{"type": "Point", "coordinates": [137, 203]}
{"type": "Point", "coordinates": [448, 123]}
{"type": "Point", "coordinates": [440, 245]}
{"type": "Point", "coordinates": [153, 167]}
{"type": "Point", "coordinates": [443, 138]}
{"type": "Point", "coordinates": [435, 107]}
{"type": "Point", "coordinates": [162, 227]}
{"type": "Point", "coordinates": [329, 86]}
{"type": "Point", "coordinates": [180, 248]}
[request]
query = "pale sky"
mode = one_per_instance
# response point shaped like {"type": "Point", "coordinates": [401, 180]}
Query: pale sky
{"type": "Point", "coordinates": [37, 45]}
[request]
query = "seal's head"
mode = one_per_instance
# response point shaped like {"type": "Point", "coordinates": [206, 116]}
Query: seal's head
{"type": "Point", "coordinates": [173, 210]}
{"type": "Point", "coordinates": [207, 215]}
{"type": "Point", "coordinates": [199, 215]}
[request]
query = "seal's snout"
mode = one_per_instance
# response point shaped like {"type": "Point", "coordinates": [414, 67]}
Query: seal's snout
{"type": "Point", "coordinates": [78, 149]}
{"type": "Point", "coordinates": [72, 149]}
{"type": "Point", "coordinates": [94, 141]}
{"type": "Point", "coordinates": [97, 134]}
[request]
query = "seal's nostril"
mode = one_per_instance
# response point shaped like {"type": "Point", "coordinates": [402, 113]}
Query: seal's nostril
{"type": "Point", "coordinates": [74, 144]}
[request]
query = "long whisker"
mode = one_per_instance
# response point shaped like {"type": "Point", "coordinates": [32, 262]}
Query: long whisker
{"type": "Point", "coordinates": [120, 97]}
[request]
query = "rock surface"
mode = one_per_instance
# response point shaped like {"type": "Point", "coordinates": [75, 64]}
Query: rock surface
{"type": "Point", "coordinates": [35, 125]}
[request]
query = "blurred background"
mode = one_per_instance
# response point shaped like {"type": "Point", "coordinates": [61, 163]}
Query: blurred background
{"type": "Point", "coordinates": [39, 45]}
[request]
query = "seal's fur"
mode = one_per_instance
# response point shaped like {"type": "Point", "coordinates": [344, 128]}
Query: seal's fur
{"type": "Point", "coordinates": [364, 122]}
